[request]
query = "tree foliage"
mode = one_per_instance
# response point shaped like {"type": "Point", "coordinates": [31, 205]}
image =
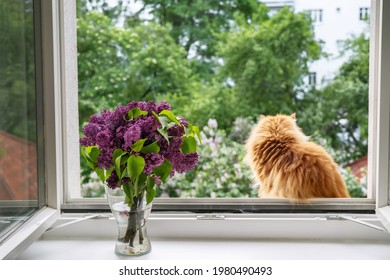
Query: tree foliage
{"type": "Point", "coordinates": [341, 107]}
{"type": "Point", "coordinates": [194, 24]}
{"type": "Point", "coordinates": [267, 59]}
{"type": "Point", "coordinates": [117, 64]}
{"type": "Point", "coordinates": [17, 69]}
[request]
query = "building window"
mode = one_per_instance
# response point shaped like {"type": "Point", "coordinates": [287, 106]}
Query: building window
{"type": "Point", "coordinates": [364, 13]}
{"type": "Point", "coordinates": [316, 15]}
{"type": "Point", "coordinates": [312, 78]}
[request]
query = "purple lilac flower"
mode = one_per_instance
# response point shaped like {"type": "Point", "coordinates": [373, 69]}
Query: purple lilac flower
{"type": "Point", "coordinates": [105, 159]}
{"type": "Point", "coordinates": [132, 134]}
{"type": "Point", "coordinates": [103, 139]}
{"type": "Point", "coordinates": [117, 118]}
{"type": "Point", "coordinates": [163, 106]}
{"type": "Point", "coordinates": [152, 161]}
{"type": "Point", "coordinates": [120, 131]}
{"type": "Point", "coordinates": [176, 130]}
{"type": "Point", "coordinates": [174, 144]}
{"type": "Point", "coordinates": [143, 105]}
{"type": "Point", "coordinates": [183, 121]}
{"type": "Point", "coordinates": [183, 162]}
{"type": "Point", "coordinates": [148, 124]}
{"type": "Point", "coordinates": [112, 181]}
{"type": "Point", "coordinates": [152, 106]}
{"type": "Point", "coordinates": [90, 131]}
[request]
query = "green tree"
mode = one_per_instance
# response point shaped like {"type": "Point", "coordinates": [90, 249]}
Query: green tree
{"type": "Point", "coordinates": [341, 107]}
{"type": "Point", "coordinates": [194, 25]}
{"type": "Point", "coordinates": [17, 69]}
{"type": "Point", "coordinates": [119, 64]}
{"type": "Point", "coordinates": [267, 58]}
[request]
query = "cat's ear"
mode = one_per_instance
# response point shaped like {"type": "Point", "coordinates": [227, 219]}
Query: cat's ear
{"type": "Point", "coordinates": [293, 116]}
{"type": "Point", "coordinates": [262, 117]}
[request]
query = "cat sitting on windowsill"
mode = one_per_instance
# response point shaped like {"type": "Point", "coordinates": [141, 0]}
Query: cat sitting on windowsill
{"type": "Point", "coordinates": [288, 165]}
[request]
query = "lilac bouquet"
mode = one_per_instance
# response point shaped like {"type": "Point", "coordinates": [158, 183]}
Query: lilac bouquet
{"type": "Point", "coordinates": [138, 146]}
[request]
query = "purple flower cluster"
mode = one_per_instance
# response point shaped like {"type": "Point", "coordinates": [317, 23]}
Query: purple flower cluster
{"type": "Point", "coordinates": [111, 130]}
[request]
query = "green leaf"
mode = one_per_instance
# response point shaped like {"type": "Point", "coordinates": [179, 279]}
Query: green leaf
{"type": "Point", "coordinates": [101, 174]}
{"type": "Point", "coordinates": [196, 130]}
{"type": "Point", "coordinates": [152, 148]}
{"type": "Point", "coordinates": [108, 173]}
{"type": "Point", "coordinates": [129, 191]}
{"type": "Point", "coordinates": [164, 170]}
{"type": "Point", "coordinates": [188, 145]}
{"type": "Point", "coordinates": [156, 116]}
{"type": "Point", "coordinates": [150, 183]}
{"type": "Point", "coordinates": [135, 113]}
{"type": "Point", "coordinates": [94, 154]}
{"type": "Point", "coordinates": [164, 133]}
{"type": "Point", "coordinates": [142, 179]}
{"type": "Point", "coordinates": [137, 146]}
{"type": "Point", "coordinates": [170, 116]}
{"type": "Point", "coordinates": [117, 153]}
{"type": "Point", "coordinates": [87, 158]}
{"type": "Point", "coordinates": [135, 166]}
{"type": "Point", "coordinates": [150, 194]}
{"type": "Point", "coordinates": [117, 158]}
{"type": "Point", "coordinates": [91, 154]}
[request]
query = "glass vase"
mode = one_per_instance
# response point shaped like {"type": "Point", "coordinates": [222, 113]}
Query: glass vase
{"type": "Point", "coordinates": [131, 220]}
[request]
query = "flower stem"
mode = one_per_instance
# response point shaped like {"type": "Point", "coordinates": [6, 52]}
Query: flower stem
{"type": "Point", "coordinates": [135, 221]}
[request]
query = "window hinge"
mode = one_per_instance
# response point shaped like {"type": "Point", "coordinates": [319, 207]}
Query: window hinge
{"type": "Point", "coordinates": [355, 220]}
{"type": "Point", "coordinates": [210, 217]}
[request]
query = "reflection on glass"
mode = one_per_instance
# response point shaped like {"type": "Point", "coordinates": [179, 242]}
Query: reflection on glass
{"type": "Point", "coordinates": [18, 125]}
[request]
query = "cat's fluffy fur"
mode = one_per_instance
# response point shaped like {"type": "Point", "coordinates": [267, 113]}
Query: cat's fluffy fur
{"type": "Point", "coordinates": [288, 165]}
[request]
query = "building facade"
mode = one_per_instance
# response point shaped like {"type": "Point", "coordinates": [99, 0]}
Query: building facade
{"type": "Point", "coordinates": [334, 21]}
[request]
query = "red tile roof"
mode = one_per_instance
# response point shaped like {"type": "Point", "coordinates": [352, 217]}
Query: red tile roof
{"type": "Point", "coordinates": [18, 168]}
{"type": "Point", "coordinates": [359, 167]}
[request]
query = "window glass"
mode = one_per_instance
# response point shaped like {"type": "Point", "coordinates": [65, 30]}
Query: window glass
{"type": "Point", "coordinates": [18, 123]}
{"type": "Point", "coordinates": [222, 65]}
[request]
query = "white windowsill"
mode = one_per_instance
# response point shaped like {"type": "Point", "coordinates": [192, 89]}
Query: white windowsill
{"type": "Point", "coordinates": [245, 239]}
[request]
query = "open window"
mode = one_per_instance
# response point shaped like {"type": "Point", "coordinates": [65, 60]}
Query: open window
{"type": "Point", "coordinates": [30, 161]}
{"type": "Point", "coordinates": [223, 189]}
{"type": "Point", "coordinates": [381, 104]}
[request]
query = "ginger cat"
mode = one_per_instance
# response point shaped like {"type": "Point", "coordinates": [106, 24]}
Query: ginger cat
{"type": "Point", "coordinates": [287, 165]}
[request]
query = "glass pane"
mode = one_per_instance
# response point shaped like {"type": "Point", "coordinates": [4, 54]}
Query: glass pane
{"type": "Point", "coordinates": [18, 122]}
{"type": "Point", "coordinates": [222, 64]}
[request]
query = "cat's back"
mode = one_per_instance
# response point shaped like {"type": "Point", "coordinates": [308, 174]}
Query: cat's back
{"type": "Point", "coordinates": [288, 165]}
{"type": "Point", "coordinates": [313, 172]}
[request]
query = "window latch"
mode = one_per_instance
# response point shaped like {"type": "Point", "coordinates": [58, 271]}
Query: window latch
{"type": "Point", "coordinates": [210, 217]}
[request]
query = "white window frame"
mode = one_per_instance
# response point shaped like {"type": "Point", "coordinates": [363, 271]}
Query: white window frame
{"type": "Point", "coordinates": [378, 148]}
{"type": "Point", "coordinates": [73, 200]}
{"type": "Point", "coordinates": [380, 87]}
